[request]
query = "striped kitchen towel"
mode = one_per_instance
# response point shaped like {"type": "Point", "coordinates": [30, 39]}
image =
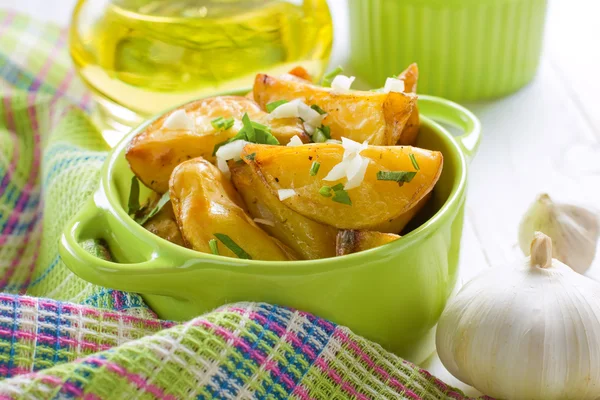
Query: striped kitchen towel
{"type": "Point", "coordinates": [62, 337]}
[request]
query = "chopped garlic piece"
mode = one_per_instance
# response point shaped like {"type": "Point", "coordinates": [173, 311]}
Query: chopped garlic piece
{"type": "Point", "coordinates": [309, 115]}
{"type": "Point", "coordinates": [342, 83]}
{"type": "Point", "coordinates": [309, 128]}
{"type": "Point", "coordinates": [286, 193]}
{"type": "Point", "coordinates": [231, 151]}
{"type": "Point", "coordinates": [295, 141]}
{"type": "Point", "coordinates": [286, 110]}
{"type": "Point", "coordinates": [356, 177]}
{"type": "Point", "coordinates": [298, 109]}
{"type": "Point", "coordinates": [264, 221]}
{"type": "Point", "coordinates": [393, 85]}
{"type": "Point", "coordinates": [179, 119]}
{"type": "Point", "coordinates": [353, 166]}
{"type": "Point", "coordinates": [352, 148]}
{"type": "Point", "coordinates": [222, 165]}
{"type": "Point", "coordinates": [338, 171]}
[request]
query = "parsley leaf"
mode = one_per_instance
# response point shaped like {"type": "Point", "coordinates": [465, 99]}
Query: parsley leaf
{"type": "Point", "coordinates": [222, 123]}
{"type": "Point", "coordinates": [161, 203]}
{"type": "Point", "coordinates": [133, 204]}
{"type": "Point", "coordinates": [341, 196]}
{"type": "Point", "coordinates": [272, 106]}
{"type": "Point", "coordinates": [214, 246]}
{"type": "Point", "coordinates": [414, 161]}
{"type": "Point", "coordinates": [328, 77]}
{"type": "Point", "coordinates": [314, 168]}
{"type": "Point", "coordinates": [397, 176]}
{"type": "Point", "coordinates": [231, 245]}
{"type": "Point", "coordinates": [251, 132]}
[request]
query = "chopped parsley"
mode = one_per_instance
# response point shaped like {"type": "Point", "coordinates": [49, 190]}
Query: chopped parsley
{"type": "Point", "coordinates": [214, 246]}
{"type": "Point", "coordinates": [322, 134]}
{"type": "Point", "coordinates": [231, 245]}
{"type": "Point", "coordinates": [397, 176]}
{"type": "Point", "coordinates": [133, 204]}
{"type": "Point", "coordinates": [317, 109]}
{"type": "Point", "coordinates": [249, 128]}
{"type": "Point", "coordinates": [314, 168]}
{"type": "Point", "coordinates": [414, 161]}
{"type": "Point", "coordinates": [272, 106]}
{"type": "Point", "coordinates": [328, 77]}
{"type": "Point", "coordinates": [222, 123]}
{"type": "Point", "coordinates": [161, 203]}
{"type": "Point", "coordinates": [339, 194]}
{"type": "Point", "coordinates": [250, 156]}
{"type": "Point", "coordinates": [325, 191]}
{"type": "Point", "coordinates": [251, 132]}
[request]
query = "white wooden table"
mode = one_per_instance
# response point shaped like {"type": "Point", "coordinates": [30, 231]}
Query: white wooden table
{"type": "Point", "coordinates": [546, 137]}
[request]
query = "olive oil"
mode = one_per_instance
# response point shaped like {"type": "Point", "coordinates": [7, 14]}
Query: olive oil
{"type": "Point", "coordinates": [141, 57]}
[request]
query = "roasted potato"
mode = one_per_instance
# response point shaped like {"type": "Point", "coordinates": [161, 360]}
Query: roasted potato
{"type": "Point", "coordinates": [156, 151]}
{"type": "Point", "coordinates": [352, 241]}
{"type": "Point", "coordinates": [205, 203]}
{"type": "Point", "coordinates": [378, 118]}
{"type": "Point", "coordinates": [309, 239]}
{"type": "Point", "coordinates": [396, 225]}
{"type": "Point", "coordinates": [297, 73]}
{"type": "Point", "coordinates": [372, 203]}
{"type": "Point", "coordinates": [410, 76]}
{"type": "Point", "coordinates": [164, 224]}
{"type": "Point", "coordinates": [301, 73]}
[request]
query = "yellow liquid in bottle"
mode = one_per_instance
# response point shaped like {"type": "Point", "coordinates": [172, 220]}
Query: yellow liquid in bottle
{"type": "Point", "coordinates": [141, 57]}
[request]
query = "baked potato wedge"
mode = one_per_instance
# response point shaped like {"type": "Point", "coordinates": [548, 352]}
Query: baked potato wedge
{"type": "Point", "coordinates": [207, 206]}
{"type": "Point", "coordinates": [298, 73]}
{"type": "Point", "coordinates": [164, 224]}
{"type": "Point", "coordinates": [352, 241]}
{"type": "Point", "coordinates": [156, 151]}
{"type": "Point", "coordinates": [301, 73]}
{"type": "Point", "coordinates": [410, 76]}
{"type": "Point", "coordinates": [396, 225]}
{"type": "Point", "coordinates": [374, 202]}
{"type": "Point", "coordinates": [309, 239]}
{"type": "Point", "coordinates": [378, 118]}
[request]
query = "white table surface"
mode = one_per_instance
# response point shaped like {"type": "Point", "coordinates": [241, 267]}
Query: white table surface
{"type": "Point", "coordinates": [545, 137]}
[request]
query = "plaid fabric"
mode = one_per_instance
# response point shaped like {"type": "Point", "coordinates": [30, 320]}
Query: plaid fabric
{"type": "Point", "coordinates": [240, 351]}
{"type": "Point", "coordinates": [48, 146]}
{"type": "Point", "coordinates": [78, 340]}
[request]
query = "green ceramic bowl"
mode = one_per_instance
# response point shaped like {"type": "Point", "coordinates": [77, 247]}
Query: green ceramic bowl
{"type": "Point", "coordinates": [466, 49]}
{"type": "Point", "coordinates": [393, 294]}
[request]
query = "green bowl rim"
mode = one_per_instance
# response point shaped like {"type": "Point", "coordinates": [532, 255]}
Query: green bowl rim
{"type": "Point", "coordinates": [432, 224]}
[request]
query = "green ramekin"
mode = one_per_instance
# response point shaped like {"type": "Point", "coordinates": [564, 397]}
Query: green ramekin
{"type": "Point", "coordinates": [393, 294]}
{"type": "Point", "coordinates": [465, 49]}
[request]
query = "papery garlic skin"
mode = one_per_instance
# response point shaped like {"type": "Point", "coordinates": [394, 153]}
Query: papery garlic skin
{"type": "Point", "coordinates": [525, 332]}
{"type": "Point", "coordinates": [574, 231]}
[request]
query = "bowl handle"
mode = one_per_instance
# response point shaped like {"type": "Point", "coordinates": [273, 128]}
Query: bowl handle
{"type": "Point", "coordinates": [94, 222]}
{"type": "Point", "coordinates": [448, 112]}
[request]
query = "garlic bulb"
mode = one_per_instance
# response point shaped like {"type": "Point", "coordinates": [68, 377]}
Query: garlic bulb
{"type": "Point", "coordinates": [574, 231]}
{"type": "Point", "coordinates": [528, 332]}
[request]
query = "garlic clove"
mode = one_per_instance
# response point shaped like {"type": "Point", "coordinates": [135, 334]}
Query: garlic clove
{"type": "Point", "coordinates": [541, 250]}
{"type": "Point", "coordinates": [574, 231]}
